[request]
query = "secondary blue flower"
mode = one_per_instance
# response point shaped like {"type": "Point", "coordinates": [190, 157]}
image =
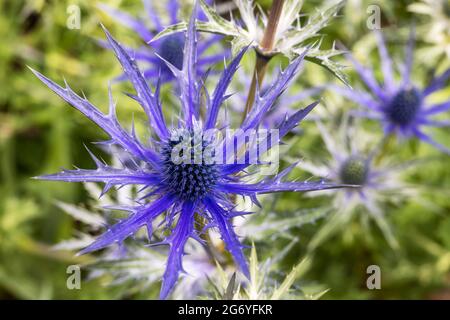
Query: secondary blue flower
{"type": "Point", "coordinates": [179, 191]}
{"type": "Point", "coordinates": [401, 107]}
{"type": "Point", "coordinates": [169, 48]}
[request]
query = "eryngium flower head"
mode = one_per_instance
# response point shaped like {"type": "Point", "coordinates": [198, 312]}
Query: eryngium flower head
{"type": "Point", "coordinates": [352, 163]}
{"type": "Point", "coordinates": [401, 107]}
{"type": "Point", "coordinates": [197, 189]}
{"type": "Point", "coordinates": [354, 170]}
{"type": "Point", "coordinates": [170, 48]}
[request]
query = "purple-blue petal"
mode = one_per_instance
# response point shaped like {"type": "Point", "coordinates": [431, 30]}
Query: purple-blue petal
{"type": "Point", "coordinates": [189, 89]}
{"type": "Point", "coordinates": [264, 103]}
{"type": "Point", "coordinates": [219, 94]}
{"type": "Point", "coordinates": [386, 62]}
{"type": "Point", "coordinates": [437, 83]}
{"type": "Point", "coordinates": [152, 15]}
{"type": "Point", "coordinates": [128, 21]}
{"type": "Point", "coordinates": [173, 8]}
{"type": "Point", "coordinates": [177, 240]}
{"type": "Point", "coordinates": [286, 126]}
{"type": "Point", "coordinates": [359, 97]}
{"type": "Point", "coordinates": [108, 123]}
{"type": "Point", "coordinates": [427, 139]}
{"type": "Point", "coordinates": [149, 102]}
{"type": "Point", "coordinates": [277, 186]}
{"type": "Point", "coordinates": [367, 77]}
{"type": "Point", "coordinates": [409, 50]}
{"type": "Point", "coordinates": [108, 175]}
{"type": "Point", "coordinates": [229, 237]}
{"type": "Point", "coordinates": [437, 108]}
{"type": "Point", "coordinates": [120, 231]}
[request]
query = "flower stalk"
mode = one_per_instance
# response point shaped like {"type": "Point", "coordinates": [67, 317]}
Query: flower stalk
{"type": "Point", "coordinates": [272, 24]}
{"type": "Point", "coordinates": [264, 53]}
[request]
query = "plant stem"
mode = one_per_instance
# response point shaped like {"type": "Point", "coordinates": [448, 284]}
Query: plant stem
{"type": "Point", "coordinates": [258, 76]}
{"type": "Point", "coordinates": [264, 53]}
{"type": "Point", "coordinates": [272, 24]}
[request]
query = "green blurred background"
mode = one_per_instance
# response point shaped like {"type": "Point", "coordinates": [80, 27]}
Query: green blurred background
{"type": "Point", "coordinates": [40, 134]}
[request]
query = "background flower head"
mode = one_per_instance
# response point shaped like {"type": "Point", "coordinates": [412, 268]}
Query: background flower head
{"type": "Point", "coordinates": [355, 161]}
{"type": "Point", "coordinates": [401, 107]}
{"type": "Point", "coordinates": [169, 48]}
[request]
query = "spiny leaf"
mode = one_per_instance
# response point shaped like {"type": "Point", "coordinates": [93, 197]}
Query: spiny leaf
{"type": "Point", "coordinates": [334, 67]}
{"type": "Point", "coordinates": [175, 28]}
{"type": "Point", "coordinates": [253, 289]}
{"type": "Point", "coordinates": [273, 224]}
{"type": "Point", "coordinates": [218, 23]}
{"type": "Point", "coordinates": [229, 293]}
{"type": "Point", "coordinates": [314, 25]}
{"type": "Point", "coordinates": [318, 295]}
{"type": "Point", "coordinates": [215, 24]}
{"type": "Point", "coordinates": [296, 272]}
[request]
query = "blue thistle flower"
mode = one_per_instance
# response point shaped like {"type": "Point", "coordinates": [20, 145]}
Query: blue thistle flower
{"type": "Point", "coordinates": [401, 107]}
{"type": "Point", "coordinates": [170, 48]}
{"type": "Point", "coordinates": [180, 190]}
